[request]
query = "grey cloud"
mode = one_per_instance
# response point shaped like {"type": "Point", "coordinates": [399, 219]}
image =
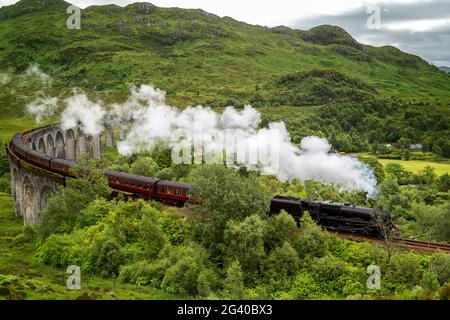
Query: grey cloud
{"type": "Point", "coordinates": [432, 45]}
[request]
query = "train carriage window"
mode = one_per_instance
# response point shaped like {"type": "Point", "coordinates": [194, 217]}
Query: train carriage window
{"type": "Point", "coordinates": [179, 191]}
{"type": "Point", "coordinates": [169, 190]}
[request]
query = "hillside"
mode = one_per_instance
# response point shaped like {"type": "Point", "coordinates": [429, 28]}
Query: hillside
{"type": "Point", "coordinates": [200, 58]}
{"type": "Point", "coordinates": [321, 81]}
{"type": "Point", "coordinates": [445, 69]}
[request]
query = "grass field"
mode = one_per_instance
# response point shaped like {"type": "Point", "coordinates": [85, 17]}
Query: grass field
{"type": "Point", "coordinates": [417, 165]}
{"type": "Point", "coordinates": [23, 276]}
{"type": "Point", "coordinates": [11, 125]}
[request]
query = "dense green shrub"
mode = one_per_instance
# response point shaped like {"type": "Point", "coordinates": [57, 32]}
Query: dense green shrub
{"type": "Point", "coordinates": [304, 286]}
{"type": "Point", "coordinates": [29, 234]}
{"type": "Point", "coordinates": [245, 242]}
{"type": "Point", "coordinates": [280, 265]}
{"type": "Point", "coordinates": [145, 272]}
{"type": "Point", "coordinates": [151, 235]}
{"type": "Point", "coordinates": [280, 228]}
{"type": "Point", "coordinates": [144, 166]}
{"type": "Point", "coordinates": [208, 282]}
{"type": "Point", "coordinates": [182, 276]}
{"type": "Point", "coordinates": [5, 184]}
{"type": "Point", "coordinates": [63, 250]}
{"type": "Point", "coordinates": [234, 281]}
{"type": "Point", "coordinates": [107, 256]}
{"type": "Point", "coordinates": [63, 207]}
{"type": "Point", "coordinates": [233, 252]}
{"type": "Point", "coordinates": [93, 213]}
{"type": "Point", "coordinates": [405, 269]}
{"type": "Point", "coordinates": [440, 262]}
{"type": "Point", "coordinates": [312, 242]}
{"type": "Point", "coordinates": [174, 226]}
{"type": "Point", "coordinates": [327, 268]}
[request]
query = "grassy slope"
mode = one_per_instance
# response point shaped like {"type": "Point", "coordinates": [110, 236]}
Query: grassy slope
{"type": "Point", "coordinates": [195, 56]}
{"type": "Point", "coordinates": [417, 165]}
{"type": "Point", "coordinates": [31, 279]}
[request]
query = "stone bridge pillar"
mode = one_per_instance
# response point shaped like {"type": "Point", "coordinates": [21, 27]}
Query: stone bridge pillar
{"type": "Point", "coordinates": [121, 133]}
{"type": "Point", "coordinates": [97, 146]}
{"type": "Point", "coordinates": [31, 190]}
{"type": "Point", "coordinates": [109, 136]}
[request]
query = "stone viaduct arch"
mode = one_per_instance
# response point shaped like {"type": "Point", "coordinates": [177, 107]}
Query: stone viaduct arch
{"type": "Point", "coordinates": [41, 146]}
{"type": "Point", "coordinates": [50, 146]}
{"type": "Point", "coordinates": [60, 145]}
{"type": "Point", "coordinates": [31, 186]}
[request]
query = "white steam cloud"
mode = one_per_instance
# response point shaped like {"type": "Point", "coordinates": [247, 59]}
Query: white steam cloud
{"type": "Point", "coordinates": [34, 71]}
{"type": "Point", "coordinates": [43, 108]}
{"type": "Point", "coordinates": [80, 110]}
{"type": "Point", "coordinates": [4, 78]}
{"type": "Point", "coordinates": [149, 120]}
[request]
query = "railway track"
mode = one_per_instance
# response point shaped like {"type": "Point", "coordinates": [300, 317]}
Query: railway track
{"type": "Point", "coordinates": [420, 245]}
{"type": "Point", "coordinates": [410, 244]}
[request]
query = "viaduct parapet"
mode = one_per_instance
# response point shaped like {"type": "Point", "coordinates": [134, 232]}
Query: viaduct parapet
{"type": "Point", "coordinates": [31, 186]}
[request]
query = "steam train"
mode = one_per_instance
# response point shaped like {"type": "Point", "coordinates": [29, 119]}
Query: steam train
{"type": "Point", "coordinates": [343, 217]}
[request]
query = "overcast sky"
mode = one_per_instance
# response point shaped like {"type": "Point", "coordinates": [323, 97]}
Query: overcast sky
{"type": "Point", "coordinates": [420, 27]}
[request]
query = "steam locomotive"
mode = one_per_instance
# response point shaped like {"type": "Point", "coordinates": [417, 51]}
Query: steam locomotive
{"type": "Point", "coordinates": [343, 217]}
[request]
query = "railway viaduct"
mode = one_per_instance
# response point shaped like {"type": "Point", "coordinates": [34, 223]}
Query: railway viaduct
{"type": "Point", "coordinates": [31, 186]}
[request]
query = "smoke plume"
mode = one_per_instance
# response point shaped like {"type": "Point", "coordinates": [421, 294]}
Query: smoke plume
{"type": "Point", "coordinates": [4, 78]}
{"type": "Point", "coordinates": [149, 120]}
{"type": "Point", "coordinates": [34, 71]}
{"type": "Point", "coordinates": [43, 108]}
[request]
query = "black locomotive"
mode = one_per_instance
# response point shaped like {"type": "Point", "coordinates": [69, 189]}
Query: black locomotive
{"type": "Point", "coordinates": [342, 217]}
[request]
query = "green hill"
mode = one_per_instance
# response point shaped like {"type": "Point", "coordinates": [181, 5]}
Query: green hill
{"type": "Point", "coordinates": [321, 81]}
{"type": "Point", "coordinates": [445, 69]}
{"type": "Point", "coordinates": [198, 57]}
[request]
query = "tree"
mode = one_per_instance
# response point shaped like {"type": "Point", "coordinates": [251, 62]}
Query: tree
{"type": "Point", "coordinates": [312, 241]}
{"type": "Point", "coordinates": [281, 264]}
{"type": "Point", "coordinates": [219, 189]}
{"type": "Point", "coordinates": [437, 150]}
{"type": "Point", "coordinates": [429, 280]}
{"type": "Point", "coordinates": [162, 155]}
{"type": "Point", "coordinates": [208, 281]}
{"type": "Point", "coordinates": [4, 161]}
{"type": "Point", "coordinates": [245, 242]}
{"type": "Point", "coordinates": [182, 277]}
{"type": "Point", "coordinates": [234, 281]}
{"type": "Point", "coordinates": [440, 262]}
{"type": "Point", "coordinates": [444, 182]}
{"type": "Point", "coordinates": [63, 207]}
{"type": "Point", "coordinates": [426, 176]}
{"type": "Point", "coordinates": [144, 166]}
{"type": "Point", "coordinates": [281, 227]}
{"type": "Point", "coordinates": [328, 268]}
{"type": "Point", "coordinates": [226, 196]}
{"type": "Point", "coordinates": [405, 269]}
{"type": "Point", "coordinates": [397, 170]}
{"type": "Point", "coordinates": [376, 166]}
{"type": "Point", "coordinates": [151, 235]}
{"type": "Point", "coordinates": [387, 231]}
{"type": "Point", "coordinates": [93, 213]}
{"type": "Point", "coordinates": [404, 143]}
{"type": "Point", "coordinates": [107, 256]}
